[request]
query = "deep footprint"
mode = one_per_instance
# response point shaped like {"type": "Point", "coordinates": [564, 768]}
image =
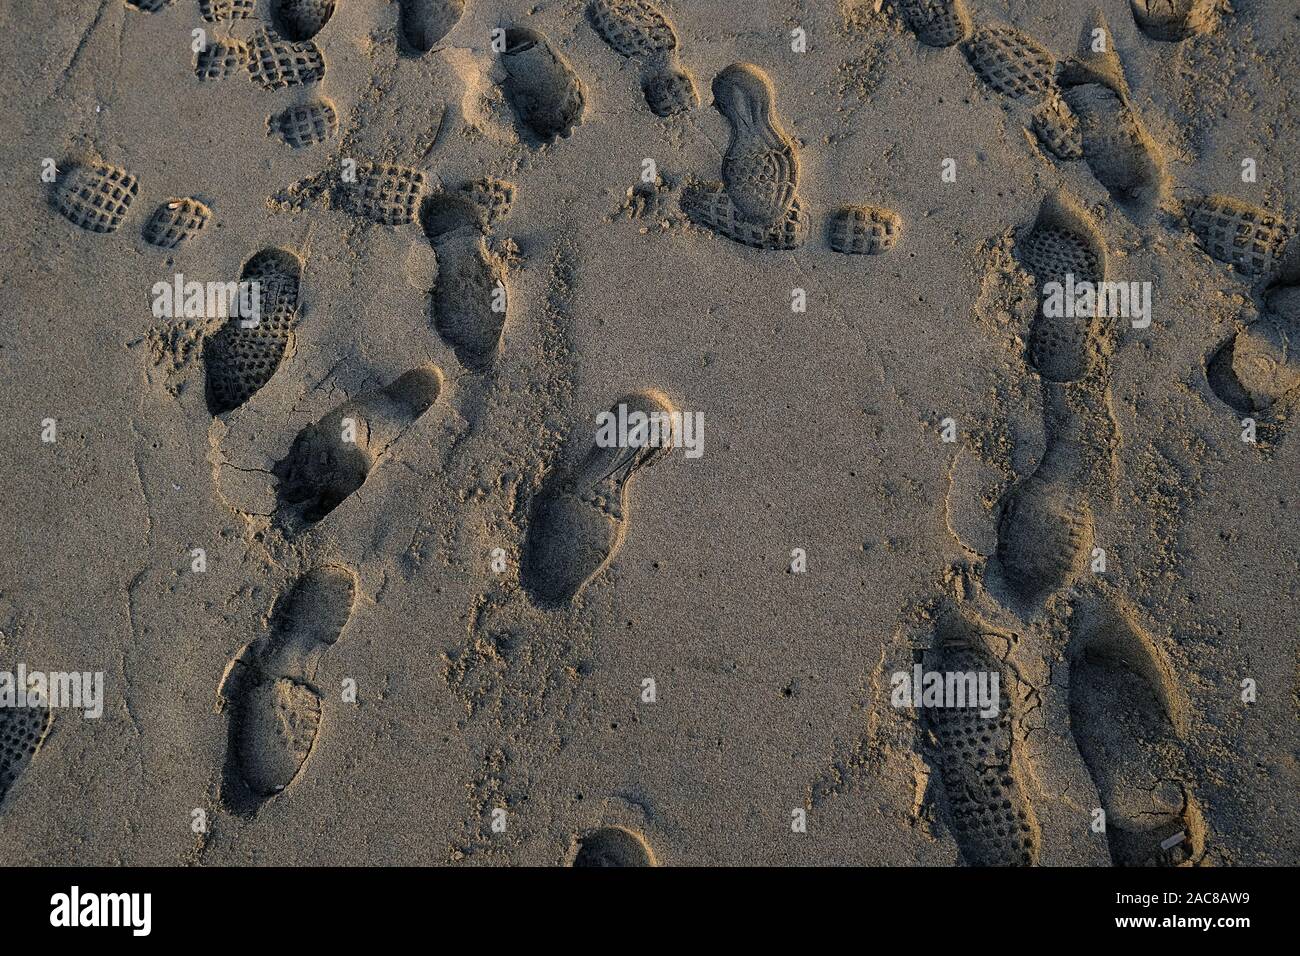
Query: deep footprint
{"type": "Point", "coordinates": [302, 19]}
{"type": "Point", "coordinates": [578, 522]}
{"type": "Point", "coordinates": [274, 711]}
{"type": "Point", "coordinates": [985, 804]}
{"type": "Point", "coordinates": [469, 301]}
{"type": "Point", "coordinates": [544, 92]}
{"type": "Point", "coordinates": [241, 360]}
{"type": "Point", "coordinates": [1121, 708]}
{"type": "Point", "coordinates": [22, 731]}
{"type": "Point", "coordinates": [424, 22]}
{"type": "Point", "coordinates": [331, 459]}
{"type": "Point", "coordinates": [613, 846]}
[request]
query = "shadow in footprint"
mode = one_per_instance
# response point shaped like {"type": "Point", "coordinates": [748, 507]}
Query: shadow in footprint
{"type": "Point", "coordinates": [274, 709]}
{"type": "Point", "coordinates": [422, 23]}
{"type": "Point", "coordinates": [540, 85]}
{"type": "Point", "coordinates": [22, 731]}
{"type": "Point", "coordinates": [1123, 713]}
{"type": "Point", "coordinates": [331, 459]}
{"type": "Point", "coordinates": [613, 846]}
{"type": "Point", "coordinates": [984, 802]}
{"type": "Point", "coordinates": [578, 519]}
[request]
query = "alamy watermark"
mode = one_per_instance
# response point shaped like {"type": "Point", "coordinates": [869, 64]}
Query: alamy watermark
{"type": "Point", "coordinates": [622, 427]}
{"type": "Point", "coordinates": [180, 299]}
{"type": "Point", "coordinates": [960, 689]}
{"type": "Point", "coordinates": [58, 690]}
{"type": "Point", "coordinates": [1085, 299]}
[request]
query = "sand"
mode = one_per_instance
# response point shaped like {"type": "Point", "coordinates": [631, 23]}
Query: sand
{"type": "Point", "coordinates": [455, 630]}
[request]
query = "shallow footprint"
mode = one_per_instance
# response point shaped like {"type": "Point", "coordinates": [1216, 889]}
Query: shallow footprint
{"type": "Point", "coordinates": [1121, 714]}
{"type": "Point", "coordinates": [578, 522]}
{"type": "Point", "coordinates": [1174, 19]}
{"type": "Point", "coordinates": [267, 691]}
{"type": "Point", "coordinates": [332, 458]}
{"type": "Point", "coordinates": [936, 23]}
{"type": "Point", "coordinates": [1045, 537]}
{"type": "Point", "coordinates": [542, 88]}
{"type": "Point", "coordinates": [424, 22]}
{"type": "Point", "coordinates": [613, 846]}
{"type": "Point", "coordinates": [241, 360]}
{"type": "Point", "coordinates": [986, 808]}
{"type": "Point", "coordinates": [1247, 236]}
{"type": "Point", "coordinates": [95, 196]}
{"type": "Point", "coordinates": [22, 731]}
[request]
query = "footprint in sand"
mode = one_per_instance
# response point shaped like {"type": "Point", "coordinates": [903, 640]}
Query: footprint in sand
{"type": "Point", "coordinates": [756, 202]}
{"type": "Point", "coordinates": [386, 193]}
{"type": "Point", "coordinates": [222, 57]}
{"type": "Point", "coordinates": [215, 11]}
{"type": "Point", "coordinates": [937, 23]}
{"type": "Point", "coordinates": [469, 301]}
{"type": "Point", "coordinates": [299, 20]}
{"type": "Point", "coordinates": [176, 221]}
{"type": "Point", "coordinates": [276, 63]}
{"type": "Point", "coordinates": [613, 846]}
{"type": "Point", "coordinates": [1011, 62]}
{"type": "Point", "coordinates": [1246, 236]}
{"type": "Point", "coordinates": [578, 520]}
{"type": "Point", "coordinates": [977, 756]}
{"type": "Point", "coordinates": [424, 22]}
{"type": "Point", "coordinates": [1124, 716]}
{"type": "Point", "coordinates": [638, 29]}
{"type": "Point", "coordinates": [864, 230]}
{"type": "Point", "coordinates": [267, 691]}
{"type": "Point", "coordinates": [22, 731]}
{"type": "Point", "coordinates": [1173, 20]}
{"type": "Point", "coordinates": [1116, 147]}
{"type": "Point", "coordinates": [241, 360]}
{"type": "Point", "coordinates": [95, 196]}
{"type": "Point", "coordinates": [541, 87]}
{"type": "Point", "coordinates": [1045, 534]}
{"type": "Point", "coordinates": [305, 124]}
{"type": "Point", "coordinates": [331, 459]}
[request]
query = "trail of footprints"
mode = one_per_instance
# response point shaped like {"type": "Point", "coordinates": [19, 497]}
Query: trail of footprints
{"type": "Point", "coordinates": [577, 520]}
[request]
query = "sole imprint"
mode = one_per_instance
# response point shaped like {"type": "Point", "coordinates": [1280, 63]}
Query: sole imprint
{"type": "Point", "coordinates": [332, 458]}
{"type": "Point", "coordinates": [424, 22]}
{"type": "Point", "coordinates": [95, 196]}
{"type": "Point", "coordinates": [215, 11]}
{"type": "Point", "coordinates": [1122, 715]}
{"type": "Point", "coordinates": [276, 63]}
{"type": "Point", "coordinates": [544, 92]}
{"type": "Point", "coordinates": [936, 23]}
{"type": "Point", "coordinates": [1115, 147]}
{"type": "Point", "coordinates": [1062, 243]}
{"type": "Point", "coordinates": [1173, 20]}
{"type": "Point", "coordinates": [613, 846]}
{"type": "Point", "coordinates": [1246, 236]}
{"type": "Point", "coordinates": [633, 28]}
{"type": "Point", "coordinates": [578, 523]}
{"type": "Point", "coordinates": [305, 124]}
{"type": "Point", "coordinates": [302, 19]}
{"type": "Point", "coordinates": [221, 58]}
{"type": "Point", "coordinates": [386, 193]}
{"type": "Point", "coordinates": [864, 230]}
{"type": "Point", "coordinates": [22, 731]}
{"type": "Point", "coordinates": [241, 360]}
{"type": "Point", "coordinates": [1045, 537]}
{"type": "Point", "coordinates": [760, 167]}
{"type": "Point", "coordinates": [1010, 62]}
{"type": "Point", "coordinates": [274, 709]}
{"type": "Point", "coordinates": [984, 804]}
{"type": "Point", "coordinates": [176, 221]}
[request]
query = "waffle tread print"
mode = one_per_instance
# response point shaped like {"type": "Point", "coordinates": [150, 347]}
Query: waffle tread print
{"type": "Point", "coordinates": [96, 196]}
